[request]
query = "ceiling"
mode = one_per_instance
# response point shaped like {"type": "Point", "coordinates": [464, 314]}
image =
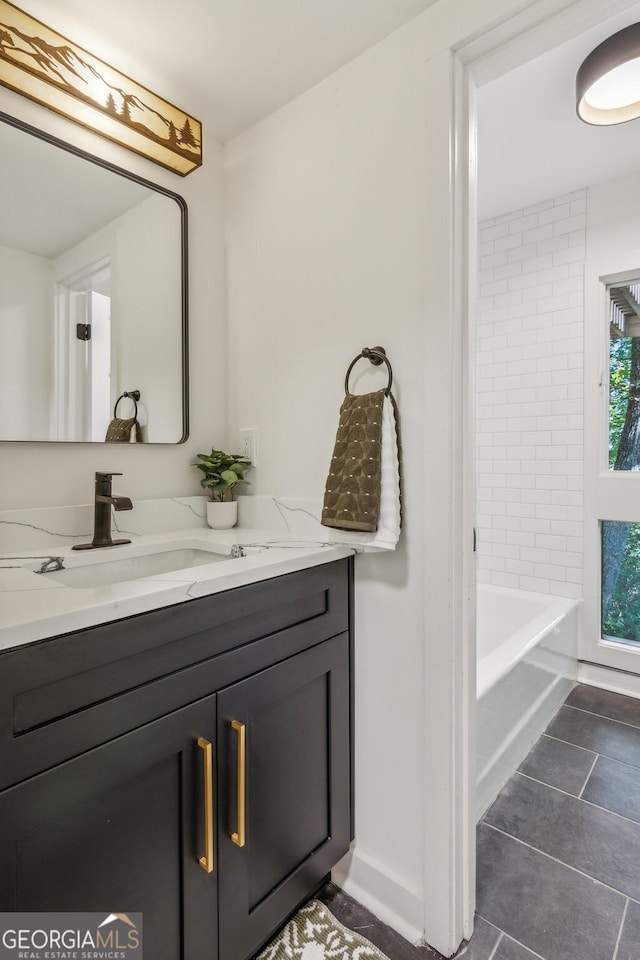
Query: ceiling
{"type": "Point", "coordinates": [233, 62]}
{"type": "Point", "coordinates": [531, 145]}
{"type": "Point", "coordinates": [230, 63]}
{"type": "Point", "coordinates": [49, 215]}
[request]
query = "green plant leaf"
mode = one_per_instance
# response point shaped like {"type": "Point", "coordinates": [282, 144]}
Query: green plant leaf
{"type": "Point", "coordinates": [221, 472]}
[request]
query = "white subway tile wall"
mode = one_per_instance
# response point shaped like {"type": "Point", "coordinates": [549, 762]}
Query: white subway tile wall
{"type": "Point", "coordinates": [529, 397]}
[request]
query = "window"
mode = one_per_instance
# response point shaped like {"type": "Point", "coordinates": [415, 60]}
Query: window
{"type": "Point", "coordinates": [620, 539]}
{"type": "Point", "coordinates": [624, 376]}
{"type": "Point", "coordinates": [620, 607]}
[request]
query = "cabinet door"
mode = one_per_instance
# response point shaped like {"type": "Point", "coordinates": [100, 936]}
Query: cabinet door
{"type": "Point", "coordinates": [120, 829]}
{"type": "Point", "coordinates": [292, 789]}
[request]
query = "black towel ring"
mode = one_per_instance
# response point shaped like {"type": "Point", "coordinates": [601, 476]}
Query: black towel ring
{"type": "Point", "coordinates": [132, 395]}
{"type": "Point", "coordinates": [376, 356]}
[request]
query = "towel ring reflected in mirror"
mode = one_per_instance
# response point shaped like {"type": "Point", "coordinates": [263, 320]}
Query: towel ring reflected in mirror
{"type": "Point", "coordinates": [376, 356]}
{"type": "Point", "coordinates": [131, 395]}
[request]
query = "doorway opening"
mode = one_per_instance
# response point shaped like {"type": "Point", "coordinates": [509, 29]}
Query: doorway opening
{"type": "Point", "coordinates": [83, 356]}
{"type": "Point", "coordinates": [536, 370]}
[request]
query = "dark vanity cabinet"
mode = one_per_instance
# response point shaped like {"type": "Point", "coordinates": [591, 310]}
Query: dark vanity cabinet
{"type": "Point", "coordinates": [111, 831]}
{"type": "Point", "coordinates": [296, 717]}
{"type": "Point", "coordinates": [192, 764]}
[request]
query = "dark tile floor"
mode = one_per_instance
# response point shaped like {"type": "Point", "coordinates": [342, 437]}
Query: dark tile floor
{"type": "Point", "coordinates": [558, 853]}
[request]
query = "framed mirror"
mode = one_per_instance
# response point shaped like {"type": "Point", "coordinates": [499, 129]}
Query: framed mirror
{"type": "Point", "coordinates": [93, 296]}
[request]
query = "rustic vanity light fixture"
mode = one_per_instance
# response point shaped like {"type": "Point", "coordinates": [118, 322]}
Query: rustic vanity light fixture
{"type": "Point", "coordinates": [608, 82]}
{"type": "Point", "coordinates": [46, 67]}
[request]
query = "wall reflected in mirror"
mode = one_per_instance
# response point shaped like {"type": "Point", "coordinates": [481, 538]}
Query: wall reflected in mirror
{"type": "Point", "coordinates": [92, 295]}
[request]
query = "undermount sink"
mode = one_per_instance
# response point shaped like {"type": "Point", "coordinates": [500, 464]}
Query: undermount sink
{"type": "Point", "coordinates": [94, 572]}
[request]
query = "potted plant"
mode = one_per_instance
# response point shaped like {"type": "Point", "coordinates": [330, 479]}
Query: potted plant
{"type": "Point", "coordinates": [221, 473]}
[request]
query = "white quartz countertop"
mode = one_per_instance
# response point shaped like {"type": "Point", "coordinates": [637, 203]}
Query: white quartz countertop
{"type": "Point", "coordinates": [36, 606]}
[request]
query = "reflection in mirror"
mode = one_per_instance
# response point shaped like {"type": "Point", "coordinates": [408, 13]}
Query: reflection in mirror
{"type": "Point", "coordinates": [92, 295]}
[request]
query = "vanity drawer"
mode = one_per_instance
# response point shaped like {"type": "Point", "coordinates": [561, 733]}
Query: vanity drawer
{"type": "Point", "coordinates": [66, 695]}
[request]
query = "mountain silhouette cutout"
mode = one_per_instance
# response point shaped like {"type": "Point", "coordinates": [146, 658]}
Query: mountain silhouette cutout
{"type": "Point", "coordinates": [63, 67]}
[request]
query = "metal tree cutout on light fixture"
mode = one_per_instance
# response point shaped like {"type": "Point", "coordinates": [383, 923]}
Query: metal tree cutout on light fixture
{"type": "Point", "coordinates": [608, 81]}
{"type": "Point", "coordinates": [45, 66]}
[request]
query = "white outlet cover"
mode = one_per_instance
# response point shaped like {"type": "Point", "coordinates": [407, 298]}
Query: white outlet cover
{"type": "Point", "coordinates": [248, 445]}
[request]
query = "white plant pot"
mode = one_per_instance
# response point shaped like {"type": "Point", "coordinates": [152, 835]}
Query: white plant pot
{"type": "Point", "coordinates": [222, 515]}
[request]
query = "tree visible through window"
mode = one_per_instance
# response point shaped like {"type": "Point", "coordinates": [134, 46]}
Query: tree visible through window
{"type": "Point", "coordinates": [621, 541]}
{"type": "Point", "coordinates": [621, 616]}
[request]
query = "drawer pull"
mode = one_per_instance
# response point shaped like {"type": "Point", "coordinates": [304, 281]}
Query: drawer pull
{"type": "Point", "coordinates": [239, 837]}
{"type": "Point", "coordinates": [206, 862]}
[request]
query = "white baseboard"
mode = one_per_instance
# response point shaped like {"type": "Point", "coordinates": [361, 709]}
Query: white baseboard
{"type": "Point", "coordinates": [619, 681]}
{"type": "Point", "coordinates": [384, 895]}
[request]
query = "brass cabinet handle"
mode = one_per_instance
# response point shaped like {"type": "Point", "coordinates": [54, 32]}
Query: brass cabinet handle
{"type": "Point", "coordinates": [206, 862]}
{"type": "Point", "coordinates": [239, 837]}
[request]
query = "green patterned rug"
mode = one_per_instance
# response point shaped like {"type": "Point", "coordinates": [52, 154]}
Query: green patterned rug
{"type": "Point", "coordinates": [315, 934]}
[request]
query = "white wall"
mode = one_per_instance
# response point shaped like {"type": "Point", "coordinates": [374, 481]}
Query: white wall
{"type": "Point", "coordinates": [149, 471]}
{"type": "Point", "coordinates": [148, 337]}
{"type": "Point", "coordinates": [339, 236]}
{"type": "Point", "coordinates": [529, 397]}
{"type": "Point", "coordinates": [325, 257]}
{"type": "Point", "coordinates": [25, 342]}
{"type": "Point", "coordinates": [614, 216]}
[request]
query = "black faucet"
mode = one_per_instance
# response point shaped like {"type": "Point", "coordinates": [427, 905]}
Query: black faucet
{"type": "Point", "coordinates": [104, 500]}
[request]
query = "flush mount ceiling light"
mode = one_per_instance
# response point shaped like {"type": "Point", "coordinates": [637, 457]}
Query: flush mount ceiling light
{"type": "Point", "coordinates": [608, 82]}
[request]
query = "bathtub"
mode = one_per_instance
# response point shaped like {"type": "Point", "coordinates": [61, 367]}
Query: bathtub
{"type": "Point", "coordinates": [527, 646]}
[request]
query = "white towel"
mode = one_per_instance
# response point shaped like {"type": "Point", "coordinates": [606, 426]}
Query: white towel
{"type": "Point", "coordinates": [388, 533]}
